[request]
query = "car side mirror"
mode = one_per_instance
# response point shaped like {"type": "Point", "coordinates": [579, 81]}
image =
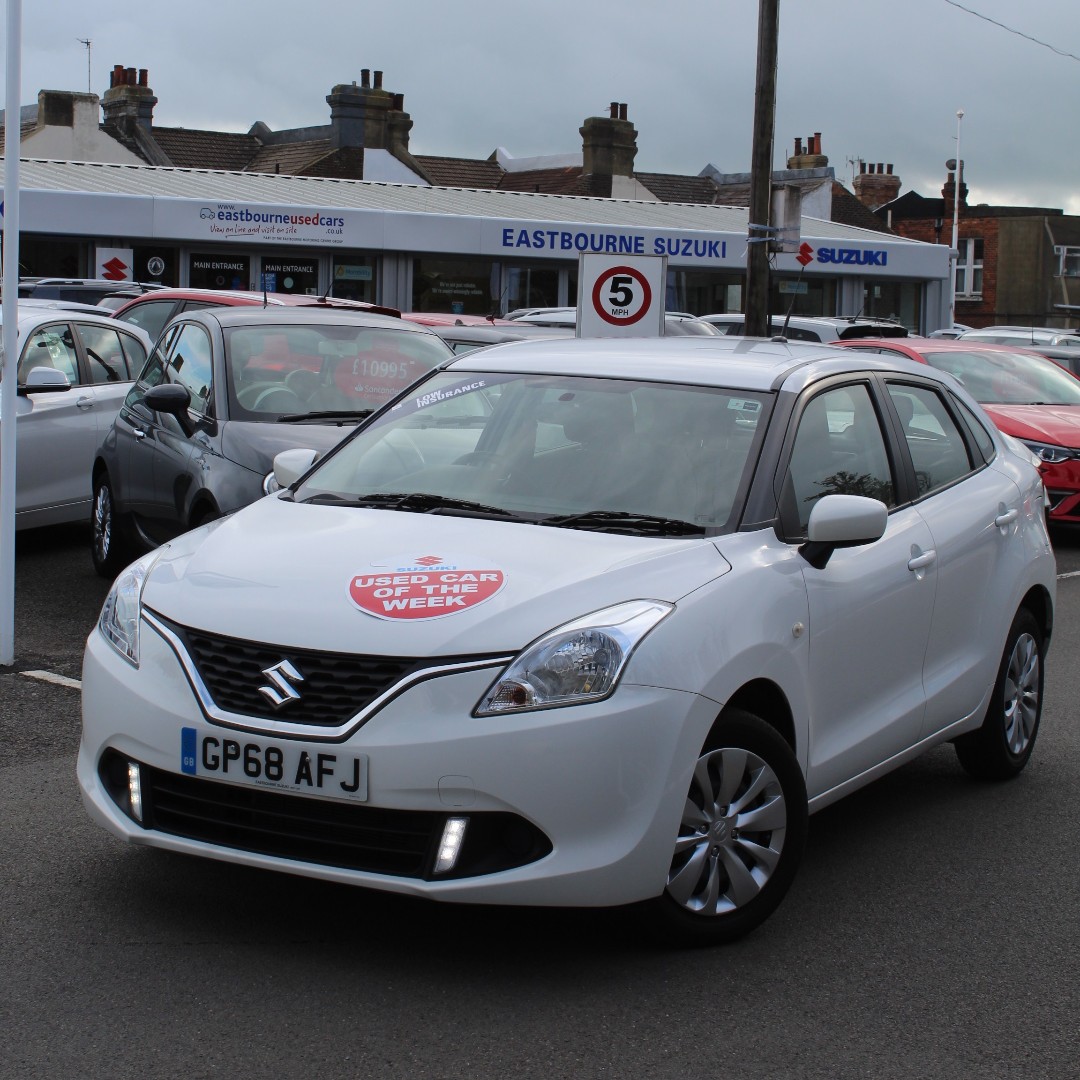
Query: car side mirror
{"type": "Point", "coordinates": [174, 399]}
{"type": "Point", "coordinates": [840, 521]}
{"type": "Point", "coordinates": [290, 465]}
{"type": "Point", "coordinates": [44, 380]}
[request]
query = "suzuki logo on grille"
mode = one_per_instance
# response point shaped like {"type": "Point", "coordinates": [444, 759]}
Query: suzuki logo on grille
{"type": "Point", "coordinates": [282, 676]}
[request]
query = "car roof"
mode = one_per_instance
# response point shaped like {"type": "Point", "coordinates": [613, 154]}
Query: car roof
{"type": "Point", "coordinates": [241, 297]}
{"type": "Point", "coordinates": [923, 344]}
{"type": "Point", "coordinates": [30, 315]}
{"type": "Point", "coordinates": [446, 318]}
{"type": "Point", "coordinates": [753, 364]}
{"type": "Point", "coordinates": [299, 316]}
{"type": "Point", "coordinates": [837, 325]}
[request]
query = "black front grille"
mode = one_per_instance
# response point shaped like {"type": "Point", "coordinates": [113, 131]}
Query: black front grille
{"type": "Point", "coordinates": [335, 687]}
{"type": "Point", "coordinates": [319, 831]}
{"type": "Point", "coordinates": [324, 832]}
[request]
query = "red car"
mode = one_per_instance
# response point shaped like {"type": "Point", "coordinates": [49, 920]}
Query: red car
{"type": "Point", "coordinates": [1026, 395]}
{"type": "Point", "coordinates": [153, 310]}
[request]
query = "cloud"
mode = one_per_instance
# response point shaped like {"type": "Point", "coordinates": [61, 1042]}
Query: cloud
{"type": "Point", "coordinates": [880, 84]}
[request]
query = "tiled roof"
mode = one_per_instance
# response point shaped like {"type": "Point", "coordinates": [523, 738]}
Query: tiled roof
{"type": "Point", "coordinates": [670, 187]}
{"type": "Point", "coordinates": [461, 172]}
{"type": "Point", "coordinates": [290, 157]}
{"type": "Point", "coordinates": [567, 180]}
{"type": "Point", "coordinates": [191, 149]}
{"type": "Point", "coordinates": [848, 210]}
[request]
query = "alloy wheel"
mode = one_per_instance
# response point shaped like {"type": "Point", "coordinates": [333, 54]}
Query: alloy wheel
{"type": "Point", "coordinates": [1021, 705]}
{"type": "Point", "coordinates": [731, 835]}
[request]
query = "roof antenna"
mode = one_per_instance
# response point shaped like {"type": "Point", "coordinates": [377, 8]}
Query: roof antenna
{"type": "Point", "coordinates": [87, 43]}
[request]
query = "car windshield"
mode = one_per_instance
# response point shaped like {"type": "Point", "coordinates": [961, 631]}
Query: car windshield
{"type": "Point", "coordinates": [601, 454]}
{"type": "Point", "coordinates": [1007, 378]}
{"type": "Point", "coordinates": [276, 371]}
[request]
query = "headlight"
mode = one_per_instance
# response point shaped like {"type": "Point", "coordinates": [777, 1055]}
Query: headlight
{"type": "Point", "coordinates": [576, 663]}
{"type": "Point", "coordinates": [1047, 452]}
{"type": "Point", "coordinates": [119, 619]}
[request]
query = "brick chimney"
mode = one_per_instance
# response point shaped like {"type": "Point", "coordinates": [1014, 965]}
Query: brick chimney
{"type": "Point", "coordinates": [876, 185]}
{"type": "Point", "coordinates": [368, 116]}
{"type": "Point", "coordinates": [128, 104]}
{"type": "Point", "coordinates": [609, 143]}
{"type": "Point", "coordinates": [812, 157]}
{"type": "Point", "coordinates": [948, 191]}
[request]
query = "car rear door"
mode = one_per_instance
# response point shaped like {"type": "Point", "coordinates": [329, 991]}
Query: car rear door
{"type": "Point", "coordinates": [973, 512]}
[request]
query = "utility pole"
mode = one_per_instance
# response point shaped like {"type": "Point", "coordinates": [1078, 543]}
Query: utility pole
{"type": "Point", "coordinates": [758, 235]}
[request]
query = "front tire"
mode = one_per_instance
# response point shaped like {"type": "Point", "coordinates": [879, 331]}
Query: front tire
{"type": "Point", "coordinates": [1001, 747]}
{"type": "Point", "coordinates": [111, 547]}
{"type": "Point", "coordinates": [741, 837]}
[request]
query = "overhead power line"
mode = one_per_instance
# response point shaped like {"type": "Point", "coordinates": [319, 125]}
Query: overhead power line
{"type": "Point", "coordinates": [1018, 33]}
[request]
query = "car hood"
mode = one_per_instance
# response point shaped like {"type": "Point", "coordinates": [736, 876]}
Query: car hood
{"type": "Point", "coordinates": [1057, 424]}
{"type": "Point", "coordinates": [254, 445]}
{"type": "Point", "coordinates": [404, 584]}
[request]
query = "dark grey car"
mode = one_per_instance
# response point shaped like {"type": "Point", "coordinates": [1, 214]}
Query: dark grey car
{"type": "Point", "coordinates": [224, 390]}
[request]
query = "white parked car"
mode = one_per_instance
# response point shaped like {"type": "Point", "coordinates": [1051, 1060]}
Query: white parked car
{"type": "Point", "coordinates": [583, 623]}
{"type": "Point", "coordinates": [73, 372]}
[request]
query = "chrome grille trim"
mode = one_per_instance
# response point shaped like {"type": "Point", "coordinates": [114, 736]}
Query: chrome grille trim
{"type": "Point", "coordinates": [282, 728]}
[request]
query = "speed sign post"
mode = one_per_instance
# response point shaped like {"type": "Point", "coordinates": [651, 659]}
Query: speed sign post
{"type": "Point", "coordinates": [621, 296]}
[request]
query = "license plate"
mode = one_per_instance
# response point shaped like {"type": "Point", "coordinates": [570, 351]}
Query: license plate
{"type": "Point", "coordinates": [241, 759]}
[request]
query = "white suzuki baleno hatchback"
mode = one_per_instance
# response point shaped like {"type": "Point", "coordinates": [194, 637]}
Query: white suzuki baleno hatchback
{"type": "Point", "coordinates": [582, 623]}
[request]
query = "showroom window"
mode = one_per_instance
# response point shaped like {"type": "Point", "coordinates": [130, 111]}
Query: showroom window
{"type": "Point", "coordinates": [353, 279]}
{"type": "Point", "coordinates": [458, 286]}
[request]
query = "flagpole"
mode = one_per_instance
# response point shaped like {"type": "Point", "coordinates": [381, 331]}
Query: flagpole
{"type": "Point", "coordinates": [8, 402]}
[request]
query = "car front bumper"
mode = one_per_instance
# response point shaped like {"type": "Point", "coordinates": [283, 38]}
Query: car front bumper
{"type": "Point", "coordinates": [597, 790]}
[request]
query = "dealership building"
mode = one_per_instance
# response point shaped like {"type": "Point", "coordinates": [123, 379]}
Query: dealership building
{"type": "Point", "coordinates": [345, 208]}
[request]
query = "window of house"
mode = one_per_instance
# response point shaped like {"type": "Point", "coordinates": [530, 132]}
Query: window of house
{"type": "Point", "coordinates": [969, 267]}
{"type": "Point", "coordinates": [1070, 262]}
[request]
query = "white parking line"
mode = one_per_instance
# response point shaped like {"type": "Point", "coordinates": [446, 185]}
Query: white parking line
{"type": "Point", "coordinates": [1072, 573]}
{"type": "Point", "coordinates": [52, 677]}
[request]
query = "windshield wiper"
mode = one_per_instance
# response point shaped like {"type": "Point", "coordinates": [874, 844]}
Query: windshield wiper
{"type": "Point", "coordinates": [419, 502]}
{"type": "Point", "coordinates": [344, 415]}
{"type": "Point", "coordinates": [615, 521]}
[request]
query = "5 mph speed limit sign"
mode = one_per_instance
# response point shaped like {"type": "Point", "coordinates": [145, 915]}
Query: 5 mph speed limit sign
{"type": "Point", "coordinates": [621, 296]}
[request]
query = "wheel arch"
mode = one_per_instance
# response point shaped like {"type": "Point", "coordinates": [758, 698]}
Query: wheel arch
{"type": "Point", "coordinates": [765, 699]}
{"type": "Point", "coordinates": [203, 508]}
{"type": "Point", "coordinates": [1037, 600]}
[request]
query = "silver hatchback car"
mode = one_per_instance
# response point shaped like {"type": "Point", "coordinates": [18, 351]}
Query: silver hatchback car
{"type": "Point", "coordinates": [73, 372]}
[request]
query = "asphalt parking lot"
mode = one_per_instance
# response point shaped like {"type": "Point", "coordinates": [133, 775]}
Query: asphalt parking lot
{"type": "Point", "coordinates": [932, 931]}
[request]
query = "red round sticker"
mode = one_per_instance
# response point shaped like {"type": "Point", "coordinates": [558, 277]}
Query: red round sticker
{"type": "Point", "coordinates": [418, 591]}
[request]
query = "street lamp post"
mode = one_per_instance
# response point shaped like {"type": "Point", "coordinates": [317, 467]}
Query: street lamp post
{"type": "Point", "coordinates": [954, 254]}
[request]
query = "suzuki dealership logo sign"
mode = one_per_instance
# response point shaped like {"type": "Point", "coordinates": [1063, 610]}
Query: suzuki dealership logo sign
{"type": "Point", "coordinates": [114, 264]}
{"type": "Point", "coordinates": [841, 256]}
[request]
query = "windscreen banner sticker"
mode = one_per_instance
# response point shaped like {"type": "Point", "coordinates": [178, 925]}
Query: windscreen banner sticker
{"type": "Point", "coordinates": [428, 587]}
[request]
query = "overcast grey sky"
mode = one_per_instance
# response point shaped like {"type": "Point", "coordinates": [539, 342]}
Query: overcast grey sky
{"type": "Point", "coordinates": [881, 81]}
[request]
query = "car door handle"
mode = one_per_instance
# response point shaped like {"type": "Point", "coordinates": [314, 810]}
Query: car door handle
{"type": "Point", "coordinates": [922, 560]}
{"type": "Point", "coordinates": [84, 403]}
{"type": "Point", "coordinates": [1007, 518]}
{"type": "Point", "coordinates": [138, 433]}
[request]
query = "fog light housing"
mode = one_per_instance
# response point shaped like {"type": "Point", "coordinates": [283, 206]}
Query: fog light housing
{"type": "Point", "coordinates": [122, 779]}
{"type": "Point", "coordinates": [135, 805]}
{"type": "Point", "coordinates": [450, 845]}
